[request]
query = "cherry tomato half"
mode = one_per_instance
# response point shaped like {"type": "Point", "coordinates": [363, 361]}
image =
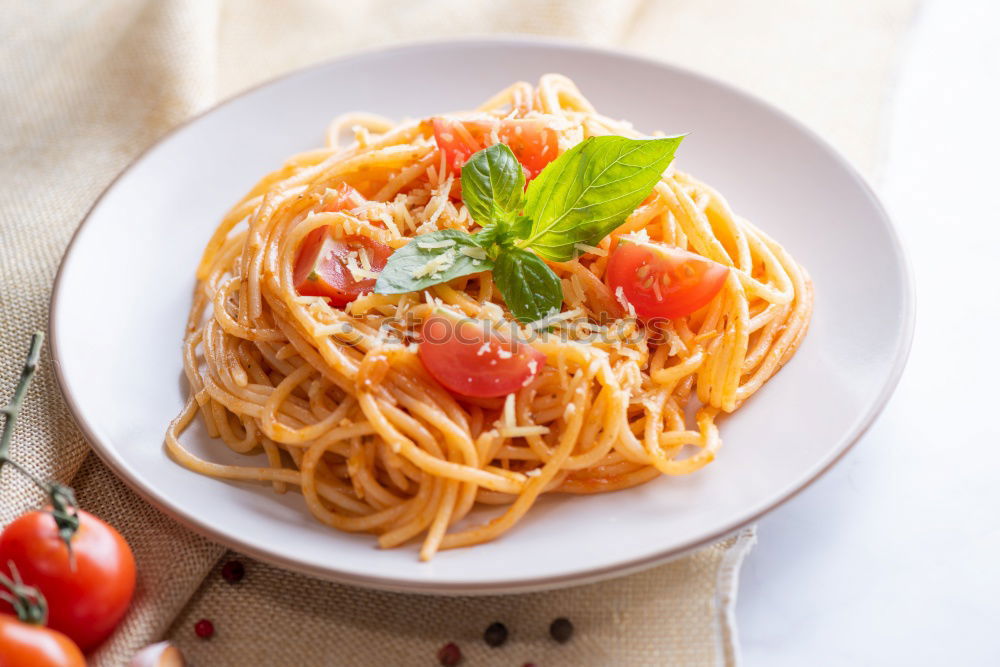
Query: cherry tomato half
{"type": "Point", "coordinates": [661, 281]}
{"type": "Point", "coordinates": [26, 645]}
{"type": "Point", "coordinates": [470, 359]}
{"type": "Point", "coordinates": [532, 142]}
{"type": "Point", "coordinates": [321, 268]}
{"type": "Point", "coordinates": [86, 598]}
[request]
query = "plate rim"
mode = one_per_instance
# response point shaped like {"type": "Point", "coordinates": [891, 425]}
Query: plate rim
{"type": "Point", "coordinates": [903, 345]}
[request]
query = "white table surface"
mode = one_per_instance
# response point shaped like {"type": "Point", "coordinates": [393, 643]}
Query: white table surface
{"type": "Point", "coordinates": [893, 558]}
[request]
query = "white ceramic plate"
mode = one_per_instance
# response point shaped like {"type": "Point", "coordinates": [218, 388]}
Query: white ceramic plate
{"type": "Point", "coordinates": [122, 295]}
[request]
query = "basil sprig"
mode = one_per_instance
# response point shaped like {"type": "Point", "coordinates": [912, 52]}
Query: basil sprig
{"type": "Point", "coordinates": [578, 199]}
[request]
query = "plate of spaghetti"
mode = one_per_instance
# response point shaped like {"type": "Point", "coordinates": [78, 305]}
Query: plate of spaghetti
{"type": "Point", "coordinates": [558, 315]}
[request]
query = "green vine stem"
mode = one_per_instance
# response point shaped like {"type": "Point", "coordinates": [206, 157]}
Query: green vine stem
{"type": "Point", "coordinates": [28, 603]}
{"type": "Point", "coordinates": [13, 408]}
{"type": "Point", "coordinates": [62, 498]}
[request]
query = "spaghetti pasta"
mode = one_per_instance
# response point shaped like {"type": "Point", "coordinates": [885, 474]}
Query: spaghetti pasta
{"type": "Point", "coordinates": [338, 401]}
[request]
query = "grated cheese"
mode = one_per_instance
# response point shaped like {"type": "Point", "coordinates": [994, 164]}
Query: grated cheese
{"type": "Point", "coordinates": [357, 271]}
{"type": "Point", "coordinates": [475, 253]}
{"type": "Point", "coordinates": [492, 312]}
{"type": "Point", "coordinates": [436, 265]}
{"type": "Point", "coordinates": [533, 368]}
{"type": "Point", "coordinates": [638, 236]}
{"type": "Point", "coordinates": [593, 250]}
{"type": "Point", "coordinates": [554, 317]}
{"type": "Point", "coordinates": [509, 420]}
{"type": "Point", "coordinates": [620, 297]}
{"type": "Point", "coordinates": [430, 245]}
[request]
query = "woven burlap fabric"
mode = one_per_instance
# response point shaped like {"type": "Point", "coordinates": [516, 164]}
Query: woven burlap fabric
{"type": "Point", "coordinates": [87, 84]}
{"type": "Point", "coordinates": [624, 621]}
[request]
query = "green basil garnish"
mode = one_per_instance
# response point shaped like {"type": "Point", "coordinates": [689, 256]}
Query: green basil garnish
{"type": "Point", "coordinates": [493, 186]}
{"type": "Point", "coordinates": [579, 198]}
{"type": "Point", "coordinates": [589, 191]}
{"type": "Point", "coordinates": [527, 284]}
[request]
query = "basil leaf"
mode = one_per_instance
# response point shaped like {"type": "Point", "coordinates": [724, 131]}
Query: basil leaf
{"type": "Point", "coordinates": [412, 267]}
{"type": "Point", "coordinates": [493, 185]}
{"type": "Point", "coordinates": [521, 227]}
{"type": "Point", "coordinates": [527, 284]}
{"type": "Point", "coordinates": [591, 189]}
{"type": "Point", "coordinates": [492, 235]}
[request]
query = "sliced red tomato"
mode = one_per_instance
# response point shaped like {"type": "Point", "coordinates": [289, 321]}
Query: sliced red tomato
{"type": "Point", "coordinates": [532, 142]}
{"type": "Point", "coordinates": [472, 359]}
{"type": "Point", "coordinates": [321, 268]}
{"type": "Point", "coordinates": [662, 281]}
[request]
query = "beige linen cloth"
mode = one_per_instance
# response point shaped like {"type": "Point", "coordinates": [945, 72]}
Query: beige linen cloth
{"type": "Point", "coordinates": [87, 84]}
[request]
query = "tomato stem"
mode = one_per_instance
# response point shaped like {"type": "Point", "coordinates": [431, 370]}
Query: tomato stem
{"type": "Point", "coordinates": [13, 408]}
{"type": "Point", "coordinates": [62, 498]}
{"type": "Point", "coordinates": [28, 603]}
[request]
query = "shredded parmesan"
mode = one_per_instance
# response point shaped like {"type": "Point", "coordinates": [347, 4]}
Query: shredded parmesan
{"type": "Point", "coordinates": [593, 250]}
{"type": "Point", "coordinates": [638, 236]}
{"type": "Point", "coordinates": [354, 265]}
{"type": "Point", "coordinates": [554, 318]}
{"type": "Point", "coordinates": [473, 252]}
{"type": "Point", "coordinates": [436, 265]}
{"type": "Point", "coordinates": [533, 369]}
{"type": "Point", "coordinates": [509, 420]}
{"type": "Point", "coordinates": [620, 297]}
{"type": "Point", "coordinates": [492, 312]}
{"type": "Point", "coordinates": [430, 245]}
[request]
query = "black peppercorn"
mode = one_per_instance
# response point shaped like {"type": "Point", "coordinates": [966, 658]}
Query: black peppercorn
{"type": "Point", "coordinates": [561, 630]}
{"type": "Point", "coordinates": [496, 634]}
